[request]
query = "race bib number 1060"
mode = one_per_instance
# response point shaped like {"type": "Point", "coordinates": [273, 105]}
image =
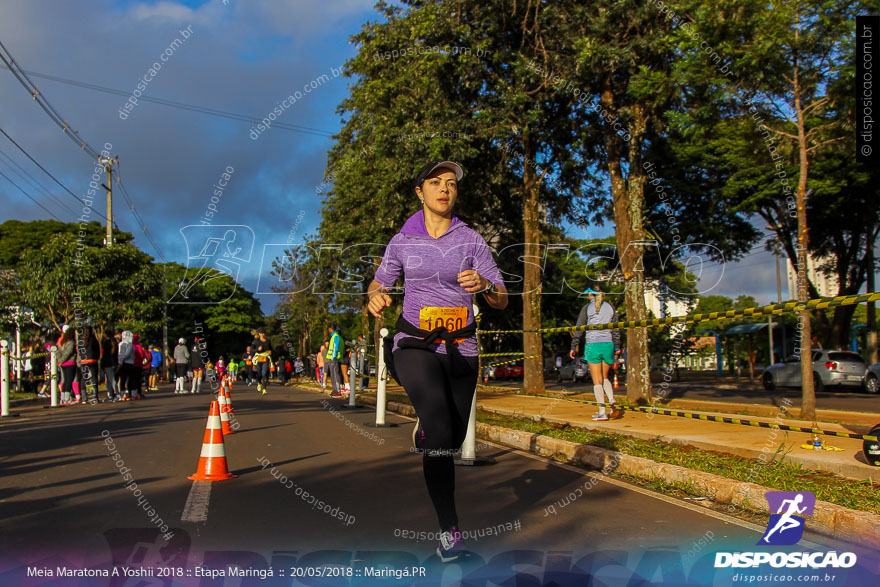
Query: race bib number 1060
{"type": "Point", "coordinates": [450, 318]}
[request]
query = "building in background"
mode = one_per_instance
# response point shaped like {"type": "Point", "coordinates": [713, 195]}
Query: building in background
{"type": "Point", "coordinates": [826, 284]}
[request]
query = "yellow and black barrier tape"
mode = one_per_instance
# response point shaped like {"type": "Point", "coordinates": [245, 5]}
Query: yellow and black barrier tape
{"type": "Point", "coordinates": [721, 419]}
{"type": "Point", "coordinates": [511, 361]}
{"type": "Point", "coordinates": [34, 356]}
{"type": "Point", "coordinates": [501, 354]}
{"type": "Point", "coordinates": [783, 308]}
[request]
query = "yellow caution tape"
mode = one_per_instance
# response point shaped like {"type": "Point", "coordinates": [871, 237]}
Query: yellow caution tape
{"type": "Point", "coordinates": [511, 361]}
{"type": "Point", "coordinates": [722, 419]}
{"type": "Point", "coordinates": [783, 308]}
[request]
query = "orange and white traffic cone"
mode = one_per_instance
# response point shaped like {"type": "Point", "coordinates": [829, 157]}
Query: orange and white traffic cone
{"type": "Point", "coordinates": [212, 460]}
{"type": "Point", "coordinates": [228, 402]}
{"type": "Point", "coordinates": [616, 385]}
{"type": "Point", "coordinates": [224, 413]}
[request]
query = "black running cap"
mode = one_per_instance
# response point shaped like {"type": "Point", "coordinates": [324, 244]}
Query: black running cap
{"type": "Point", "coordinates": [427, 169]}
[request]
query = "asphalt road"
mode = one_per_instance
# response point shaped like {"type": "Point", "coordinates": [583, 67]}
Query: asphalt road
{"type": "Point", "coordinates": [839, 398]}
{"type": "Point", "coordinates": [63, 502]}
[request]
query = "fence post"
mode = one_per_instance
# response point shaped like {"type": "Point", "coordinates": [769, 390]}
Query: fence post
{"type": "Point", "coordinates": [381, 382]}
{"type": "Point", "coordinates": [53, 379]}
{"type": "Point", "coordinates": [4, 378]}
{"type": "Point", "coordinates": [352, 383]}
{"type": "Point", "coordinates": [468, 454]}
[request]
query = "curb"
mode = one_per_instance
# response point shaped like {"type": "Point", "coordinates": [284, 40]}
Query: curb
{"type": "Point", "coordinates": [850, 471]}
{"type": "Point", "coordinates": [828, 519]}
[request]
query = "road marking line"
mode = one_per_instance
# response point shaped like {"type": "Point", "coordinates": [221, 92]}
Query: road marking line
{"type": "Point", "coordinates": [196, 508]}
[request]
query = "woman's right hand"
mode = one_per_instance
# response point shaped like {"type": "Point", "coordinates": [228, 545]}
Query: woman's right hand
{"type": "Point", "coordinates": [378, 302]}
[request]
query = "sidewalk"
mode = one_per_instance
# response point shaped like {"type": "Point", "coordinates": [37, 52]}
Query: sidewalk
{"type": "Point", "coordinates": [737, 439]}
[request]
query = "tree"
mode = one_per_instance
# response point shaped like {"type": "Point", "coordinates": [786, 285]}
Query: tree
{"type": "Point", "coordinates": [48, 281]}
{"type": "Point", "coordinates": [621, 58]}
{"type": "Point", "coordinates": [226, 325]}
{"type": "Point", "coordinates": [512, 132]}
{"type": "Point", "coordinates": [793, 73]}
{"type": "Point", "coordinates": [16, 237]}
{"type": "Point", "coordinates": [67, 282]}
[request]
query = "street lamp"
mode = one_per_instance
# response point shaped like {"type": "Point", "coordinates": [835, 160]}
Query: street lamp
{"type": "Point", "coordinates": [776, 229]}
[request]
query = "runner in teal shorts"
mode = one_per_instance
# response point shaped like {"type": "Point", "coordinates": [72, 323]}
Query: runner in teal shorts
{"type": "Point", "coordinates": [598, 350]}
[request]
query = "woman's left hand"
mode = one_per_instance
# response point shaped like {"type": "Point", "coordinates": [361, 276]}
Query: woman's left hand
{"type": "Point", "coordinates": [472, 282]}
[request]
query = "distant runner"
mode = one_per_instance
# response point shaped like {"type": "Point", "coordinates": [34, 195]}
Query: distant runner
{"type": "Point", "coordinates": [262, 361]}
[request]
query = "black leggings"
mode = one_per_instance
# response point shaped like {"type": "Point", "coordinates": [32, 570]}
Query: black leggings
{"type": "Point", "coordinates": [68, 375]}
{"type": "Point", "coordinates": [443, 404]}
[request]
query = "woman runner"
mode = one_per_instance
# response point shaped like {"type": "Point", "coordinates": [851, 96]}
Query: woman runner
{"type": "Point", "coordinates": [599, 349]}
{"type": "Point", "coordinates": [443, 262]}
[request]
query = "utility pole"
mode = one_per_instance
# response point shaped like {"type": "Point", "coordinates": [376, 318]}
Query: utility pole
{"type": "Point", "coordinates": [779, 296]}
{"type": "Point", "coordinates": [108, 162]}
{"type": "Point", "coordinates": [165, 323]}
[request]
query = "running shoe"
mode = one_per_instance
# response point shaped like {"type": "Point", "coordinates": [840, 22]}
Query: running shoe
{"type": "Point", "coordinates": [600, 418]}
{"type": "Point", "coordinates": [451, 546]}
{"type": "Point", "coordinates": [418, 436]}
{"type": "Point", "coordinates": [335, 394]}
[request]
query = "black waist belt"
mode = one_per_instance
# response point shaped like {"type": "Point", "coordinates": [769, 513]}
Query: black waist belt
{"type": "Point", "coordinates": [425, 339]}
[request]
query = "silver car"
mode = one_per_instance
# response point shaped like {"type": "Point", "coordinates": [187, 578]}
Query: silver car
{"type": "Point", "coordinates": [576, 370]}
{"type": "Point", "coordinates": [830, 367]}
{"type": "Point", "coordinates": [872, 378]}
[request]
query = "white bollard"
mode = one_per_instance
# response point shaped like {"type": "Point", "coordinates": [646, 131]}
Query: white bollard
{"type": "Point", "coordinates": [381, 380]}
{"type": "Point", "coordinates": [53, 379]}
{"type": "Point", "coordinates": [469, 446]}
{"type": "Point", "coordinates": [4, 378]}
{"type": "Point", "coordinates": [352, 385]}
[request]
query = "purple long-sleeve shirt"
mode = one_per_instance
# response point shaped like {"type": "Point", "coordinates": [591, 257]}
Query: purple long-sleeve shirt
{"type": "Point", "coordinates": [430, 269]}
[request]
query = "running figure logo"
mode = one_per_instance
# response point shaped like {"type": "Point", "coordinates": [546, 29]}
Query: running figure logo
{"type": "Point", "coordinates": [213, 252]}
{"type": "Point", "coordinates": [786, 526]}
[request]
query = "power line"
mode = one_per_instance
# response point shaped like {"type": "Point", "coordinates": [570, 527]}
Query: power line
{"type": "Point", "coordinates": [20, 148]}
{"type": "Point", "coordinates": [41, 100]}
{"type": "Point", "coordinates": [135, 213]}
{"type": "Point", "coordinates": [185, 106]}
{"type": "Point", "coordinates": [30, 197]}
{"type": "Point", "coordinates": [23, 173]}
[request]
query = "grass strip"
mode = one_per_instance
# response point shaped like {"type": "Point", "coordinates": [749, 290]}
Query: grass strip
{"type": "Point", "coordinates": [776, 473]}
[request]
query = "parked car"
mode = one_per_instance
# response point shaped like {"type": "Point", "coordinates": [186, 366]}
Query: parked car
{"type": "Point", "coordinates": [576, 370]}
{"type": "Point", "coordinates": [511, 371]}
{"type": "Point", "coordinates": [872, 378]}
{"type": "Point", "coordinates": [830, 367]}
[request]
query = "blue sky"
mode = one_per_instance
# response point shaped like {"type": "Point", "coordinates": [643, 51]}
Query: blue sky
{"type": "Point", "coordinates": [241, 57]}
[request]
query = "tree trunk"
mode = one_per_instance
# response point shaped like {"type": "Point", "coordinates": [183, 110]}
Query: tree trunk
{"type": "Point", "coordinates": [839, 335]}
{"type": "Point", "coordinates": [629, 197]}
{"type": "Point", "coordinates": [808, 401]}
{"type": "Point", "coordinates": [871, 350]}
{"type": "Point", "coordinates": [533, 378]}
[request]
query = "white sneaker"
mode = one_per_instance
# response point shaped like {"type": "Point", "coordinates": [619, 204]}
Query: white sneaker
{"type": "Point", "coordinates": [451, 546]}
{"type": "Point", "coordinates": [600, 417]}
